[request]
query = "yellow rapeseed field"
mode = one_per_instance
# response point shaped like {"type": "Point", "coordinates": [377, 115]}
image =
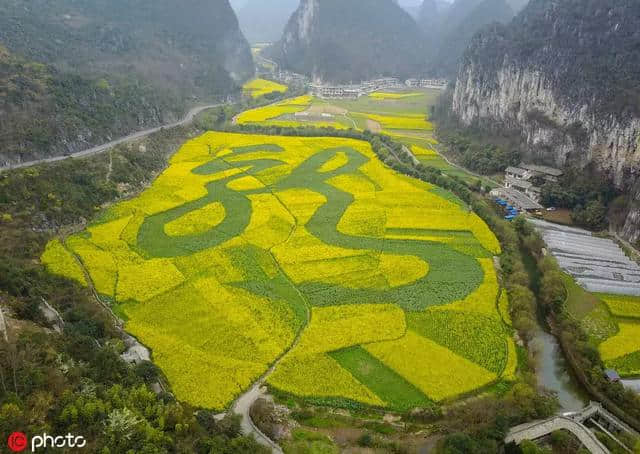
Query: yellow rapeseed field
{"type": "Point", "coordinates": [379, 95]}
{"type": "Point", "coordinates": [257, 88]}
{"type": "Point", "coordinates": [406, 121]}
{"type": "Point", "coordinates": [234, 251]}
{"type": "Point", "coordinates": [61, 262]}
{"type": "Point", "coordinates": [625, 342]}
{"type": "Point", "coordinates": [433, 369]}
{"type": "Point", "coordinates": [197, 221]}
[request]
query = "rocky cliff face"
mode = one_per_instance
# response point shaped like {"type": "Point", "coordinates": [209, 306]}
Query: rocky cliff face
{"type": "Point", "coordinates": [340, 41]}
{"type": "Point", "coordinates": [557, 133]}
{"type": "Point", "coordinates": [564, 74]}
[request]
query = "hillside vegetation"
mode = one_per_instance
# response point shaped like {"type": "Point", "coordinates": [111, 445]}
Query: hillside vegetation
{"type": "Point", "coordinates": [586, 48]}
{"type": "Point", "coordinates": [47, 112]}
{"type": "Point", "coordinates": [76, 74]}
{"type": "Point", "coordinates": [351, 41]}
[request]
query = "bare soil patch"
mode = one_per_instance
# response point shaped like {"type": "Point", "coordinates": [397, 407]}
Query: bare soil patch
{"type": "Point", "coordinates": [374, 126]}
{"type": "Point", "coordinates": [326, 108]}
{"type": "Point", "coordinates": [560, 216]}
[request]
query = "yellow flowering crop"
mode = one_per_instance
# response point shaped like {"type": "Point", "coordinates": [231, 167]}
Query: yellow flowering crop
{"type": "Point", "coordinates": [401, 95]}
{"type": "Point", "coordinates": [307, 244]}
{"type": "Point", "coordinates": [339, 160]}
{"type": "Point", "coordinates": [320, 376]}
{"type": "Point", "coordinates": [60, 261]}
{"type": "Point", "coordinates": [400, 270]}
{"type": "Point", "coordinates": [271, 224]}
{"type": "Point", "coordinates": [622, 305]}
{"type": "Point", "coordinates": [625, 342]}
{"type": "Point", "coordinates": [484, 299]}
{"type": "Point", "coordinates": [245, 184]}
{"type": "Point", "coordinates": [257, 88]}
{"type": "Point", "coordinates": [336, 327]}
{"type": "Point", "coordinates": [100, 265]}
{"type": "Point", "coordinates": [503, 306]}
{"type": "Point", "coordinates": [304, 100]}
{"type": "Point", "coordinates": [407, 121]}
{"type": "Point", "coordinates": [262, 114]}
{"type": "Point", "coordinates": [509, 373]}
{"type": "Point", "coordinates": [367, 220]}
{"type": "Point", "coordinates": [357, 185]}
{"type": "Point", "coordinates": [435, 370]}
{"type": "Point", "coordinates": [226, 333]}
{"type": "Point", "coordinates": [140, 282]}
{"type": "Point", "coordinates": [422, 152]}
{"type": "Point", "coordinates": [197, 221]}
{"type": "Point", "coordinates": [301, 203]}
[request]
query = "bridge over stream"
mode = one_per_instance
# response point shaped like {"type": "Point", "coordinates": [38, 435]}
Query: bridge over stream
{"type": "Point", "coordinates": [576, 423]}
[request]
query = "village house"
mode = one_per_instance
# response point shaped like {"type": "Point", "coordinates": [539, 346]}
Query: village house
{"type": "Point", "coordinates": [528, 178]}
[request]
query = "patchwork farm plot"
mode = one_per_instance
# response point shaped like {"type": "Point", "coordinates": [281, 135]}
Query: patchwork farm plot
{"type": "Point", "coordinates": [621, 351]}
{"type": "Point", "coordinates": [612, 319]}
{"type": "Point", "coordinates": [360, 284]}
{"type": "Point", "coordinates": [401, 115]}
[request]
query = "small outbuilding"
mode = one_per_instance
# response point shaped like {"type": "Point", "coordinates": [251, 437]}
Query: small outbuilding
{"type": "Point", "coordinates": [612, 376]}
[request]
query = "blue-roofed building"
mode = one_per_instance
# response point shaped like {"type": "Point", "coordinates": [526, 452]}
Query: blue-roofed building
{"type": "Point", "coordinates": [612, 375]}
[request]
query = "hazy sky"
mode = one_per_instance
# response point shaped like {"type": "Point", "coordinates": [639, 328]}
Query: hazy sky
{"type": "Point", "coordinates": [237, 4]}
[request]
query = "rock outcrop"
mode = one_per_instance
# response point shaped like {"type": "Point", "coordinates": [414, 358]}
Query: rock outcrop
{"type": "Point", "coordinates": [564, 73]}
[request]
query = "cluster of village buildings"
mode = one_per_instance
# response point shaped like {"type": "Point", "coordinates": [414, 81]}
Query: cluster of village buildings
{"type": "Point", "coordinates": [292, 79]}
{"type": "Point", "coordinates": [523, 185]}
{"type": "Point", "coordinates": [354, 91]}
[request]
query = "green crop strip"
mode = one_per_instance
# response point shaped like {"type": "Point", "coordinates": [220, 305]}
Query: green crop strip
{"type": "Point", "coordinates": [383, 381]}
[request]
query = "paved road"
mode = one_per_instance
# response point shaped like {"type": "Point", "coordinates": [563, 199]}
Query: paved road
{"type": "Point", "coordinates": [533, 431]}
{"type": "Point", "coordinates": [457, 166]}
{"type": "Point", "coordinates": [104, 147]}
{"type": "Point", "coordinates": [242, 407]}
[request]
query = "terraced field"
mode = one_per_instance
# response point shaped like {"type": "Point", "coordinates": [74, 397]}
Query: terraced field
{"type": "Point", "coordinates": [360, 284]}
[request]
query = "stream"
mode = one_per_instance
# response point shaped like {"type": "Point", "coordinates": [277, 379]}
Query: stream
{"type": "Point", "coordinates": [553, 373]}
{"type": "Point", "coordinates": [552, 370]}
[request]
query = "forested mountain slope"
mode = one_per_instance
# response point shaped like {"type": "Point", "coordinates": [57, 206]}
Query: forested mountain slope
{"type": "Point", "coordinates": [334, 40]}
{"type": "Point", "coordinates": [565, 74]}
{"type": "Point", "coordinates": [46, 112]}
{"type": "Point", "coordinates": [80, 73]}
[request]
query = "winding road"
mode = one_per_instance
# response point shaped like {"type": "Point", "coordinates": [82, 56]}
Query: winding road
{"type": "Point", "coordinates": [104, 147]}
